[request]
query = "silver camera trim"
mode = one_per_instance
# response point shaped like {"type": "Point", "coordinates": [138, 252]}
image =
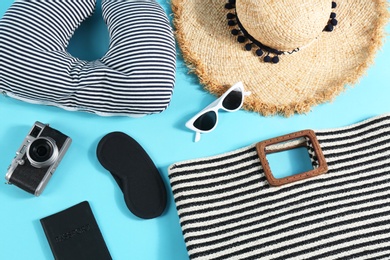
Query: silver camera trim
{"type": "Point", "coordinates": [24, 147]}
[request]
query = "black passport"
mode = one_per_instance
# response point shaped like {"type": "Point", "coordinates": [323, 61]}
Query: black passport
{"type": "Point", "coordinates": [74, 234]}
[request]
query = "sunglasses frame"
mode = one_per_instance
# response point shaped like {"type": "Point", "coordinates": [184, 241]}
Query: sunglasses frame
{"type": "Point", "coordinates": [215, 106]}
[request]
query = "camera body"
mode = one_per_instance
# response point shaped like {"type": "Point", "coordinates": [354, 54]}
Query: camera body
{"type": "Point", "coordinates": [37, 158]}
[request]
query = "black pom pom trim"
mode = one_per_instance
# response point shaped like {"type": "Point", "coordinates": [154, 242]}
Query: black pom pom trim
{"type": "Point", "coordinates": [267, 59]}
{"type": "Point", "coordinates": [232, 16]}
{"type": "Point", "coordinates": [229, 6]}
{"type": "Point", "coordinates": [231, 23]}
{"type": "Point", "coordinates": [245, 38]}
{"type": "Point", "coordinates": [329, 28]}
{"type": "Point", "coordinates": [332, 21]}
{"type": "Point", "coordinates": [272, 55]}
{"type": "Point", "coordinates": [241, 39]}
{"type": "Point", "coordinates": [259, 52]}
{"type": "Point", "coordinates": [248, 46]}
{"type": "Point", "coordinates": [235, 32]}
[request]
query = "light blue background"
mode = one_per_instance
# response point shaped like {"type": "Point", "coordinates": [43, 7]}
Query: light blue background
{"type": "Point", "coordinates": [80, 176]}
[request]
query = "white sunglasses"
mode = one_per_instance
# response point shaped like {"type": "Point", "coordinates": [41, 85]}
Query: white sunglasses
{"type": "Point", "coordinates": [206, 120]}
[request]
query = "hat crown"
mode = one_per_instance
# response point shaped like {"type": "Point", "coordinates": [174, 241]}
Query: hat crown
{"type": "Point", "coordinates": [284, 25]}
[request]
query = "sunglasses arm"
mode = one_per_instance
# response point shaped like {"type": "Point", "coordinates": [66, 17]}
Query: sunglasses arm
{"type": "Point", "coordinates": [197, 137]}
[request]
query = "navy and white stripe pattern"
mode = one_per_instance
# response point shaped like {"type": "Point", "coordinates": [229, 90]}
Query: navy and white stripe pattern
{"type": "Point", "coordinates": [227, 209]}
{"type": "Point", "coordinates": [134, 78]}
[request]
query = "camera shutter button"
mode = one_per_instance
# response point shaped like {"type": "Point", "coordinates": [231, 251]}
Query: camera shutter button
{"type": "Point", "coordinates": [20, 161]}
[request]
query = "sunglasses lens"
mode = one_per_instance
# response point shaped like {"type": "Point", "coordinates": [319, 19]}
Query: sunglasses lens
{"type": "Point", "coordinates": [206, 121]}
{"type": "Point", "coordinates": [233, 100]}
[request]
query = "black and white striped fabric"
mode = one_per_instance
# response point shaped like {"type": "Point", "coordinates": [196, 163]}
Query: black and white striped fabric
{"type": "Point", "coordinates": [135, 77]}
{"type": "Point", "coordinates": [228, 210]}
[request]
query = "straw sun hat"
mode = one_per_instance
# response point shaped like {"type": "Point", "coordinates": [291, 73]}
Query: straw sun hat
{"type": "Point", "coordinates": [290, 54]}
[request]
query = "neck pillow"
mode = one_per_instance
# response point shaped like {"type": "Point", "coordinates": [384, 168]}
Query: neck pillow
{"type": "Point", "coordinates": [134, 78]}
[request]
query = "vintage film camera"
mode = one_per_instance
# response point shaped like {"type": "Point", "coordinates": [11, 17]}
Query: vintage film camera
{"type": "Point", "coordinates": [37, 158]}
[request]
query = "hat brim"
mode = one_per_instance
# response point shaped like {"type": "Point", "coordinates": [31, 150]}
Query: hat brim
{"type": "Point", "coordinates": [314, 75]}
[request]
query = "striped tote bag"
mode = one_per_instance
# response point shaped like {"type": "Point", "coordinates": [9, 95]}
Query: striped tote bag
{"type": "Point", "coordinates": [231, 207]}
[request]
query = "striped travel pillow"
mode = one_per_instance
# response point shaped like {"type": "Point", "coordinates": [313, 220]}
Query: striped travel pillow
{"type": "Point", "coordinates": [134, 78]}
{"type": "Point", "coordinates": [229, 210]}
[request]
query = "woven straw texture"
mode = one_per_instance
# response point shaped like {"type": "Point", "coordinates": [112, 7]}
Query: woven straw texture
{"type": "Point", "coordinates": [281, 28]}
{"type": "Point", "coordinates": [316, 74]}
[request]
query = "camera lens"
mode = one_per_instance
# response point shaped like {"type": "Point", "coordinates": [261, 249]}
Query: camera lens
{"type": "Point", "coordinates": [42, 152]}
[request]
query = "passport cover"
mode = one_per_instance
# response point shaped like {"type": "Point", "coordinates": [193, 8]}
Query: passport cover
{"type": "Point", "coordinates": [74, 234]}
